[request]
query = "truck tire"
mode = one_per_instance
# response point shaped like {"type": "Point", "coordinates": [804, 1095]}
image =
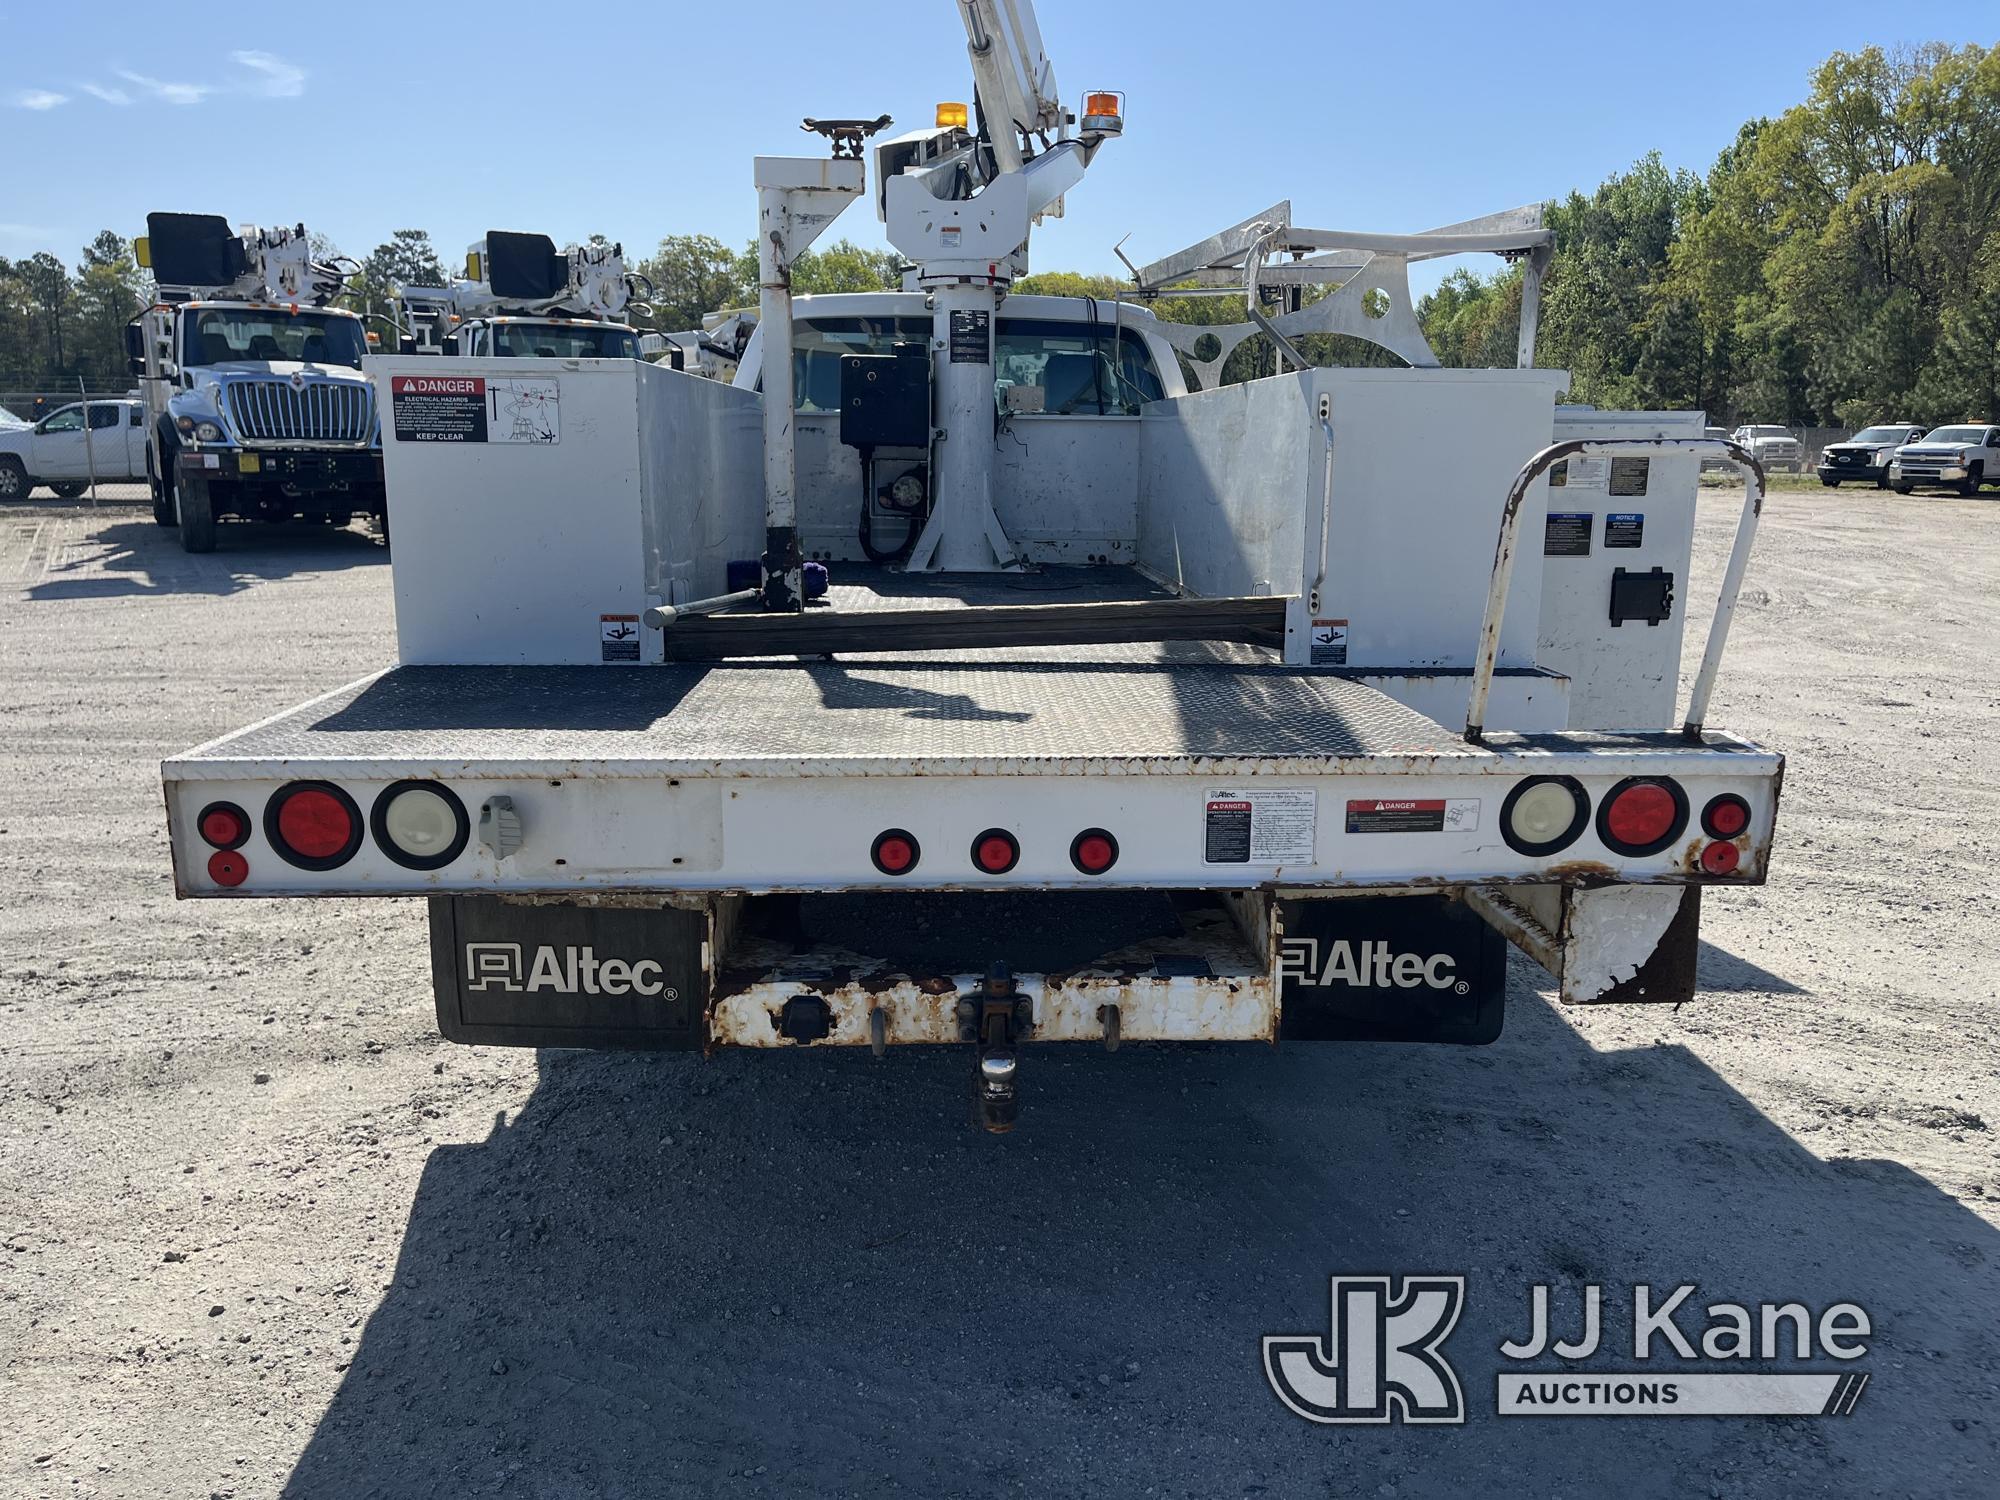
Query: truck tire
{"type": "Point", "coordinates": [14, 481]}
{"type": "Point", "coordinates": [69, 489]}
{"type": "Point", "coordinates": [1902, 489]}
{"type": "Point", "coordinates": [1832, 484]}
{"type": "Point", "coordinates": [197, 515]}
{"type": "Point", "coordinates": [163, 498]}
{"type": "Point", "coordinates": [1968, 486]}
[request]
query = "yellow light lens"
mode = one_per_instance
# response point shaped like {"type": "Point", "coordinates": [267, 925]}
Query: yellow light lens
{"type": "Point", "coordinates": [1104, 104]}
{"type": "Point", "coordinates": [953, 117]}
{"type": "Point", "coordinates": [472, 265]}
{"type": "Point", "coordinates": [142, 252]}
{"type": "Point", "coordinates": [248, 463]}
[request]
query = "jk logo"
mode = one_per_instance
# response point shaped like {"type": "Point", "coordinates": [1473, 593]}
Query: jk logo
{"type": "Point", "coordinates": [1381, 1360]}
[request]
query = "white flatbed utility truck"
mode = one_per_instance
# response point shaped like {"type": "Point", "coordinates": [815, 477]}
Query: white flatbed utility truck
{"type": "Point", "coordinates": [1232, 714]}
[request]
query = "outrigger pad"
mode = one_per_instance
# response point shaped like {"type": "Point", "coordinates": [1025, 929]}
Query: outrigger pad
{"type": "Point", "coordinates": [1390, 969]}
{"type": "Point", "coordinates": [515, 975]}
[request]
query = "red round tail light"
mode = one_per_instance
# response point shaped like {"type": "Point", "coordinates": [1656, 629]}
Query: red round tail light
{"type": "Point", "coordinates": [223, 824]}
{"type": "Point", "coordinates": [313, 824]}
{"type": "Point", "coordinates": [996, 851]}
{"type": "Point", "coordinates": [228, 868]}
{"type": "Point", "coordinates": [1642, 815]}
{"type": "Point", "coordinates": [896, 851]}
{"type": "Point", "coordinates": [1720, 859]}
{"type": "Point", "coordinates": [1093, 851]}
{"type": "Point", "coordinates": [1725, 816]}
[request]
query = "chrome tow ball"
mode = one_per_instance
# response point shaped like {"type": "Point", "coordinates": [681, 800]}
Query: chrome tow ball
{"type": "Point", "coordinates": [995, 1017]}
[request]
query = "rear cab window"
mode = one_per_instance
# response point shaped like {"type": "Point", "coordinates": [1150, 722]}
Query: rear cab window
{"type": "Point", "coordinates": [1061, 368]}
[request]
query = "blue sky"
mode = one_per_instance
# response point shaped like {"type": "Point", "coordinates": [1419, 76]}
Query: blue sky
{"type": "Point", "coordinates": [641, 122]}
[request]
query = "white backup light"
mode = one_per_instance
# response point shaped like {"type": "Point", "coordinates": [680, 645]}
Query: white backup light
{"type": "Point", "coordinates": [1542, 814]}
{"type": "Point", "coordinates": [421, 825]}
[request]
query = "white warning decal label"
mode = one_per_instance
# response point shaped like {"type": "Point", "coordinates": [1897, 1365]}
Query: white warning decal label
{"type": "Point", "coordinates": [618, 637]}
{"type": "Point", "coordinates": [523, 411]}
{"type": "Point", "coordinates": [1259, 827]}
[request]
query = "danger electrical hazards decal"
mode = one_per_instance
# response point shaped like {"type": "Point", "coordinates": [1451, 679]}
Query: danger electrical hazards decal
{"type": "Point", "coordinates": [475, 409]}
{"type": "Point", "coordinates": [1430, 815]}
{"type": "Point", "coordinates": [1275, 827]}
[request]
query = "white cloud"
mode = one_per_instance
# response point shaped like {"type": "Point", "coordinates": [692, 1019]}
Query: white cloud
{"type": "Point", "coordinates": [39, 99]}
{"type": "Point", "coordinates": [166, 91]}
{"type": "Point", "coordinates": [276, 78]}
{"type": "Point", "coordinates": [108, 95]}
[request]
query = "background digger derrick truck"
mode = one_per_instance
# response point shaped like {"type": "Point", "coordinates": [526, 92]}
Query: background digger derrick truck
{"type": "Point", "coordinates": [256, 401]}
{"type": "Point", "coordinates": [522, 298]}
{"type": "Point", "coordinates": [1221, 714]}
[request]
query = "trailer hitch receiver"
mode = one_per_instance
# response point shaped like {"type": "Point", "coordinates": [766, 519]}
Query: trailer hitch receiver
{"type": "Point", "coordinates": [995, 1018]}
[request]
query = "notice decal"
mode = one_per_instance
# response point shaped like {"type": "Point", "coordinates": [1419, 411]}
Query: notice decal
{"type": "Point", "coordinates": [1624, 529]}
{"type": "Point", "coordinates": [1567, 533]}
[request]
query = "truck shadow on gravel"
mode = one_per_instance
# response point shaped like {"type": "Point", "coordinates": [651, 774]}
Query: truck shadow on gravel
{"type": "Point", "coordinates": [805, 1274]}
{"type": "Point", "coordinates": [137, 558]}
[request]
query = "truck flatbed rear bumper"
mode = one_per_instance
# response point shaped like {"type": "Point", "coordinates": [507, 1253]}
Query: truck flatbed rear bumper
{"type": "Point", "coordinates": [786, 776]}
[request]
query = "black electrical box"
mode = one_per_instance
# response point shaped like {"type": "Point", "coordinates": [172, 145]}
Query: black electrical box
{"type": "Point", "coordinates": [524, 267]}
{"type": "Point", "coordinates": [194, 250]}
{"type": "Point", "coordinates": [885, 399]}
{"type": "Point", "coordinates": [1641, 596]}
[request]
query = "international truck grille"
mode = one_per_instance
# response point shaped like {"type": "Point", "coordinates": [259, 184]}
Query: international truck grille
{"type": "Point", "coordinates": [316, 412]}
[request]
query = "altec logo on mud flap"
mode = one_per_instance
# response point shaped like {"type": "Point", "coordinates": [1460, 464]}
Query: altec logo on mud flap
{"type": "Point", "coordinates": [1366, 964]}
{"type": "Point", "coordinates": [567, 971]}
{"type": "Point", "coordinates": [1382, 1358]}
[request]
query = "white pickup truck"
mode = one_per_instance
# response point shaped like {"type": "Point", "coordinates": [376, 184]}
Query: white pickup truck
{"type": "Point", "coordinates": [1773, 447]}
{"type": "Point", "coordinates": [59, 453]}
{"type": "Point", "coordinates": [1961, 457]}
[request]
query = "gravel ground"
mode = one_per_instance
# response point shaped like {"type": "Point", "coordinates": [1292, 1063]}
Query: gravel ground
{"type": "Point", "coordinates": [264, 1233]}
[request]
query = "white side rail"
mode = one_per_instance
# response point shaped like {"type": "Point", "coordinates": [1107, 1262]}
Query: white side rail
{"type": "Point", "coordinates": [1510, 524]}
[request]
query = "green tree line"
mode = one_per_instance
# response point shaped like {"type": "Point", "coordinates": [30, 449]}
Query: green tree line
{"type": "Point", "coordinates": [1837, 265]}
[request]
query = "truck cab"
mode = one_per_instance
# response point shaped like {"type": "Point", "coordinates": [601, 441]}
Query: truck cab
{"type": "Point", "coordinates": [545, 338]}
{"type": "Point", "coordinates": [256, 403]}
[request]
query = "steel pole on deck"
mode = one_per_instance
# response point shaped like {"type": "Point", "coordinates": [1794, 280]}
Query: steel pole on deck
{"type": "Point", "coordinates": [797, 197]}
{"type": "Point", "coordinates": [784, 578]}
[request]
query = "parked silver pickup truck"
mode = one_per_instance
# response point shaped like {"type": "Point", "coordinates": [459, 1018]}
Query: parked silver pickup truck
{"type": "Point", "coordinates": [59, 452]}
{"type": "Point", "coordinates": [1773, 447]}
{"type": "Point", "coordinates": [1866, 455]}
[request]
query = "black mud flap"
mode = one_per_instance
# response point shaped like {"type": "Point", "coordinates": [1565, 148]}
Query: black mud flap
{"type": "Point", "coordinates": [567, 976]}
{"type": "Point", "coordinates": [1390, 969]}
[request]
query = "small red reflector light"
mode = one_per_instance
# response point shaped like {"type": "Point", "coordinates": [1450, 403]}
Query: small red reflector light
{"type": "Point", "coordinates": [1094, 851]}
{"type": "Point", "coordinates": [895, 851]}
{"type": "Point", "coordinates": [996, 851]}
{"type": "Point", "coordinates": [1725, 816]}
{"type": "Point", "coordinates": [223, 824]}
{"type": "Point", "coordinates": [1720, 859]}
{"type": "Point", "coordinates": [314, 824]}
{"type": "Point", "coordinates": [227, 867]}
